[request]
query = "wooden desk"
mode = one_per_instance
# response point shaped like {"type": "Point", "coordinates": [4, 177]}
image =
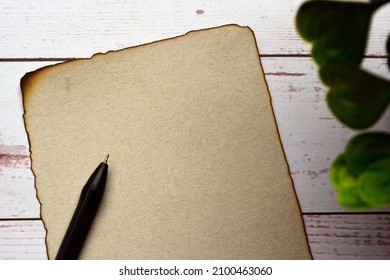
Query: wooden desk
{"type": "Point", "coordinates": [37, 33]}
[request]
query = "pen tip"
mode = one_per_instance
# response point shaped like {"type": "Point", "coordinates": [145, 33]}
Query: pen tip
{"type": "Point", "coordinates": [106, 158]}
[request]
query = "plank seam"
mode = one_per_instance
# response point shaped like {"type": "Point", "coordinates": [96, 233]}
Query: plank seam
{"type": "Point", "coordinates": [42, 59]}
{"type": "Point", "coordinates": [345, 213]}
{"type": "Point", "coordinates": [19, 219]}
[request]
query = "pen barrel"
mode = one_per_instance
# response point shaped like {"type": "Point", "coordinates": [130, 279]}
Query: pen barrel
{"type": "Point", "coordinates": [84, 214]}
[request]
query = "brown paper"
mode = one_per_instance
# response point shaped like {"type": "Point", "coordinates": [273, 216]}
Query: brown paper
{"type": "Point", "coordinates": [196, 167]}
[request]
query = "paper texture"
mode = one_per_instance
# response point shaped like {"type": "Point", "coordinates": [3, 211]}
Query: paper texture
{"type": "Point", "coordinates": [196, 168]}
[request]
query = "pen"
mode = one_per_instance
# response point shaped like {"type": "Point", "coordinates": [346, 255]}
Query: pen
{"type": "Point", "coordinates": [86, 209]}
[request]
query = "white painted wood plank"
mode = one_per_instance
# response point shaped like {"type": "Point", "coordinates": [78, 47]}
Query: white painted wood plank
{"type": "Point", "coordinates": [329, 236]}
{"type": "Point", "coordinates": [349, 236]}
{"type": "Point", "coordinates": [80, 28]}
{"type": "Point", "coordinates": [17, 192]}
{"type": "Point", "coordinates": [310, 135]}
{"type": "Point", "coordinates": [11, 108]}
{"type": "Point", "coordinates": [22, 240]}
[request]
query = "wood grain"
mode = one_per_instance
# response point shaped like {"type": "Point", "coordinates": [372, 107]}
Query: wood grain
{"type": "Point", "coordinates": [17, 192]}
{"type": "Point", "coordinates": [57, 29]}
{"type": "Point", "coordinates": [349, 236]}
{"type": "Point", "coordinates": [22, 240]}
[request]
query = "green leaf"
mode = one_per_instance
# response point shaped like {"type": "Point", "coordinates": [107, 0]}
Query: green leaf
{"type": "Point", "coordinates": [365, 149]}
{"type": "Point", "coordinates": [346, 184]}
{"type": "Point", "coordinates": [374, 184]}
{"type": "Point", "coordinates": [340, 176]}
{"type": "Point", "coordinates": [338, 30]}
{"type": "Point", "coordinates": [356, 98]}
{"type": "Point", "coordinates": [352, 199]}
{"type": "Point", "coordinates": [370, 188]}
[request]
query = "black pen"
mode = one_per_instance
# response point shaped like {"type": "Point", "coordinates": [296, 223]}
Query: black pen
{"type": "Point", "coordinates": [82, 219]}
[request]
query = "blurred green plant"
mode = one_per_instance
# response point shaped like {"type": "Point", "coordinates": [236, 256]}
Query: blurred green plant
{"type": "Point", "coordinates": [338, 32]}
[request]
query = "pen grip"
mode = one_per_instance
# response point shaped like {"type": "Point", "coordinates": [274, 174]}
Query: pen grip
{"type": "Point", "coordinates": [83, 216]}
